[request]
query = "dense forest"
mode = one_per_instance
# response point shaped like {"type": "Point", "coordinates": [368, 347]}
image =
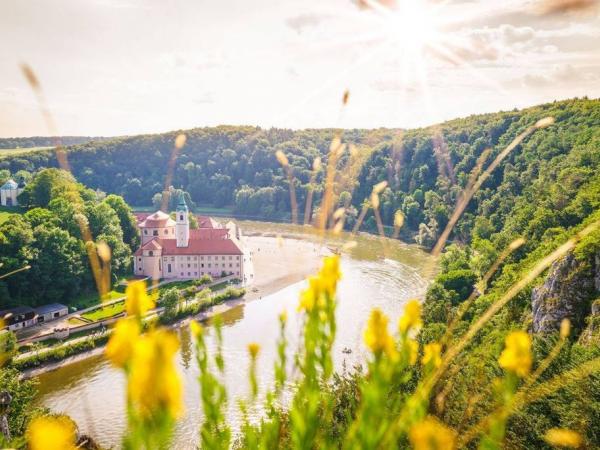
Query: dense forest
{"type": "Point", "coordinates": [425, 168]}
{"type": "Point", "coordinates": [53, 236]}
{"type": "Point", "coordinates": [544, 191]}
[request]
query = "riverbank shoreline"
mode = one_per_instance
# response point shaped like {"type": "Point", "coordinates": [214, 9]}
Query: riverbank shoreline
{"type": "Point", "coordinates": [279, 263]}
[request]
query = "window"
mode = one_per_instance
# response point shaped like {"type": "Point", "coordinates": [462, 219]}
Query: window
{"type": "Point", "coordinates": [140, 259]}
{"type": "Point", "coordinates": [139, 268]}
{"type": "Point", "coordinates": [169, 268]}
{"type": "Point", "coordinates": [150, 253]}
{"type": "Point", "coordinates": [202, 265]}
{"type": "Point", "coordinates": [188, 266]}
{"type": "Point", "coordinates": [155, 233]}
{"type": "Point", "coordinates": [166, 231]}
{"type": "Point", "coordinates": [208, 264]}
{"type": "Point", "coordinates": [180, 216]}
{"type": "Point", "coordinates": [146, 232]}
{"type": "Point", "coordinates": [230, 257]}
{"type": "Point", "coordinates": [230, 265]}
{"type": "Point", "coordinates": [172, 258]}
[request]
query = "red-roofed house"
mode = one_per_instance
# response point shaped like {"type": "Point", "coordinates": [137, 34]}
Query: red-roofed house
{"type": "Point", "coordinates": [170, 249]}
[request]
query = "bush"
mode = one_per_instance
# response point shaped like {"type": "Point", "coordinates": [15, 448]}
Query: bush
{"type": "Point", "coordinates": [460, 281]}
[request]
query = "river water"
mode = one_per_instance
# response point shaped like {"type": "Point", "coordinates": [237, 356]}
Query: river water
{"type": "Point", "coordinates": [375, 274]}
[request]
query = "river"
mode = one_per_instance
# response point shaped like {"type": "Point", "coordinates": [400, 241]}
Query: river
{"type": "Point", "coordinates": [375, 274]}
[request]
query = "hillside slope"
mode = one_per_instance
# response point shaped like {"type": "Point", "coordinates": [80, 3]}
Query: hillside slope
{"type": "Point", "coordinates": [544, 191]}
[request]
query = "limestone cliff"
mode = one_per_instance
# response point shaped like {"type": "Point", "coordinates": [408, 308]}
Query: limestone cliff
{"type": "Point", "coordinates": [568, 291]}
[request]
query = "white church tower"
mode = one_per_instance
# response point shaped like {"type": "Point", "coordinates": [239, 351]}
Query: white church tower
{"type": "Point", "coordinates": [183, 223]}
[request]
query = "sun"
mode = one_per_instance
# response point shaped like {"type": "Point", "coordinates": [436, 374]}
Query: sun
{"type": "Point", "coordinates": [412, 25]}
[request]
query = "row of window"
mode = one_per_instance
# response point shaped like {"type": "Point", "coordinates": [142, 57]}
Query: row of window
{"type": "Point", "coordinates": [209, 257]}
{"type": "Point", "coordinates": [195, 274]}
{"type": "Point", "coordinates": [195, 265]}
{"type": "Point", "coordinates": [155, 232]}
{"type": "Point", "coordinates": [192, 258]}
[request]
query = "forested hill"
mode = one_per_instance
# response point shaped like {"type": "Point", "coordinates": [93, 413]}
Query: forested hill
{"type": "Point", "coordinates": [44, 141]}
{"type": "Point", "coordinates": [425, 168]}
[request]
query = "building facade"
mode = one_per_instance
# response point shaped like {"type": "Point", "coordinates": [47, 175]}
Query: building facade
{"type": "Point", "coordinates": [10, 191]}
{"type": "Point", "coordinates": [171, 250]}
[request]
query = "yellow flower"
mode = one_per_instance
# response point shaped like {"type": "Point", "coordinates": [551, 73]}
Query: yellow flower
{"type": "Point", "coordinates": [196, 328]}
{"type": "Point", "coordinates": [253, 349]}
{"type": "Point", "coordinates": [283, 316]}
{"type": "Point", "coordinates": [330, 273]}
{"type": "Point", "coordinates": [122, 341]}
{"type": "Point", "coordinates": [322, 286]}
{"type": "Point", "coordinates": [432, 354]}
{"type": "Point", "coordinates": [309, 296]}
{"type": "Point", "coordinates": [413, 351]}
{"type": "Point", "coordinates": [561, 437]}
{"type": "Point", "coordinates": [138, 301]}
{"type": "Point", "coordinates": [411, 317]}
{"type": "Point", "coordinates": [51, 433]}
{"type": "Point", "coordinates": [154, 385]}
{"type": "Point", "coordinates": [516, 356]}
{"type": "Point", "coordinates": [431, 434]}
{"type": "Point", "coordinates": [377, 337]}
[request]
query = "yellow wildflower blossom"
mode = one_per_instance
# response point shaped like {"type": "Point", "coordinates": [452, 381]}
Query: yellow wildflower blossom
{"type": "Point", "coordinates": [154, 384]}
{"type": "Point", "coordinates": [561, 437]}
{"type": "Point", "coordinates": [122, 341]}
{"type": "Point", "coordinates": [283, 316]}
{"type": "Point", "coordinates": [411, 318]}
{"type": "Point", "coordinates": [432, 354]}
{"type": "Point", "coordinates": [196, 328]}
{"type": "Point", "coordinates": [431, 434]}
{"type": "Point", "coordinates": [253, 349]}
{"type": "Point", "coordinates": [51, 433]}
{"type": "Point", "coordinates": [377, 337]}
{"type": "Point", "coordinates": [330, 274]}
{"type": "Point", "coordinates": [138, 302]}
{"type": "Point", "coordinates": [413, 351]}
{"type": "Point", "coordinates": [322, 286]}
{"type": "Point", "coordinates": [308, 296]}
{"type": "Point", "coordinates": [516, 356]}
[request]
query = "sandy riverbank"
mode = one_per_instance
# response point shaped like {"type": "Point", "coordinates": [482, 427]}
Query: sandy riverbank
{"type": "Point", "coordinates": [278, 263]}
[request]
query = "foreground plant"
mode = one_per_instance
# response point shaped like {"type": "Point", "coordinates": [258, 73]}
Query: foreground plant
{"type": "Point", "coordinates": [153, 384]}
{"type": "Point", "coordinates": [392, 402]}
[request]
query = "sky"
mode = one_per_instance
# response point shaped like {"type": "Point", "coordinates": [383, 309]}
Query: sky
{"type": "Point", "coordinates": [117, 67]}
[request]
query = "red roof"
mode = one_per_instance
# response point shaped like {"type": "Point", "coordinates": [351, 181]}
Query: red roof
{"type": "Point", "coordinates": [209, 233]}
{"type": "Point", "coordinates": [206, 246]}
{"type": "Point", "coordinates": [157, 220]}
{"type": "Point", "coordinates": [203, 221]}
{"type": "Point", "coordinates": [201, 247]}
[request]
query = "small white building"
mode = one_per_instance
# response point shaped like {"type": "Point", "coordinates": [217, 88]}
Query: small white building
{"type": "Point", "coordinates": [46, 313]}
{"type": "Point", "coordinates": [10, 191]}
{"type": "Point", "coordinates": [18, 317]}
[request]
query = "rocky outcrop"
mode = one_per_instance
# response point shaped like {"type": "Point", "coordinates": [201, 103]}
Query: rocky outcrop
{"type": "Point", "coordinates": [568, 291]}
{"type": "Point", "coordinates": [591, 334]}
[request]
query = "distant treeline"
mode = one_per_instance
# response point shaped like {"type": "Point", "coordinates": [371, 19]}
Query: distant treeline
{"type": "Point", "coordinates": [45, 141]}
{"type": "Point", "coordinates": [426, 169]}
